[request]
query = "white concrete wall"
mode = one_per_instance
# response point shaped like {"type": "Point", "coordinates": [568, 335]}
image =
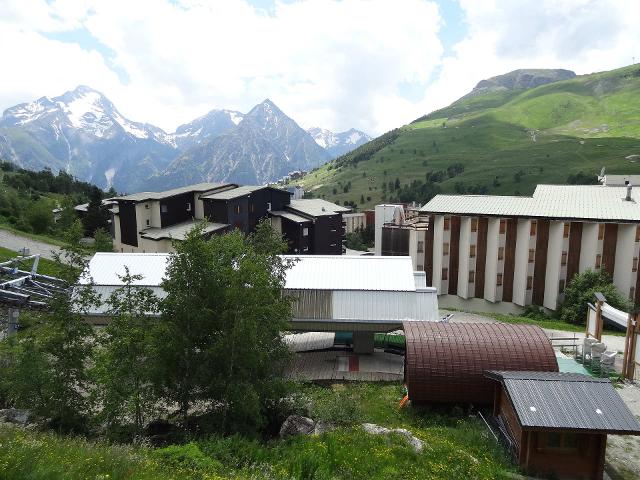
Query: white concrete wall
{"type": "Point", "coordinates": [520, 271]}
{"type": "Point", "coordinates": [438, 234]}
{"type": "Point", "coordinates": [554, 257]}
{"type": "Point", "coordinates": [589, 246]}
{"type": "Point", "coordinates": [463, 257]}
{"type": "Point", "coordinates": [491, 266]}
{"type": "Point", "coordinates": [625, 249]}
{"type": "Point", "coordinates": [155, 215]}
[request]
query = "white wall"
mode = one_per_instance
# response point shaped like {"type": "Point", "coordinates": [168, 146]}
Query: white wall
{"type": "Point", "coordinates": [589, 246]}
{"type": "Point", "coordinates": [438, 233]}
{"type": "Point", "coordinates": [491, 265]}
{"type": "Point", "coordinates": [520, 272]}
{"type": "Point", "coordinates": [552, 272]}
{"type": "Point", "coordinates": [463, 257]}
{"type": "Point", "coordinates": [625, 249]}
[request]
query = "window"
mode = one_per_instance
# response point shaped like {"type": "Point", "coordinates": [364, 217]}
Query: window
{"type": "Point", "coordinates": [632, 293]}
{"type": "Point", "coordinates": [420, 268]}
{"type": "Point", "coordinates": [305, 232]}
{"type": "Point", "coordinates": [558, 441]}
{"type": "Point", "coordinates": [445, 274]}
{"type": "Point", "coordinates": [472, 251]}
{"type": "Point", "coordinates": [500, 253]}
{"type": "Point", "coordinates": [188, 206]}
{"type": "Point", "coordinates": [534, 228]}
{"type": "Point", "coordinates": [163, 208]}
{"type": "Point", "coordinates": [567, 229]}
{"type": "Point", "coordinates": [532, 255]}
{"type": "Point", "coordinates": [472, 276]}
{"type": "Point", "coordinates": [268, 206]}
{"type": "Point", "coordinates": [420, 246]}
{"type": "Point", "coordinates": [445, 249]}
{"type": "Point", "coordinates": [561, 286]}
{"type": "Point", "coordinates": [638, 233]}
{"type": "Point", "coordinates": [601, 231]}
{"type": "Point", "coordinates": [529, 282]}
{"type": "Point", "coordinates": [563, 259]}
{"type": "Point", "coordinates": [634, 268]}
{"type": "Point", "coordinates": [147, 222]}
{"type": "Point", "coordinates": [237, 209]}
{"type": "Point", "coordinates": [499, 280]}
{"type": "Point", "coordinates": [146, 206]}
{"type": "Point", "coordinates": [446, 223]}
{"type": "Point", "coordinates": [474, 224]}
{"type": "Point", "coordinates": [503, 226]}
{"type": "Point", "coordinates": [598, 260]}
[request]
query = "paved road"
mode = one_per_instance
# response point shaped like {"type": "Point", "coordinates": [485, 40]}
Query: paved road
{"type": "Point", "coordinates": [16, 242]}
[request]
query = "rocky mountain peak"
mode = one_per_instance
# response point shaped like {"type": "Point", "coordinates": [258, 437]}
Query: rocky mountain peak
{"type": "Point", "coordinates": [522, 79]}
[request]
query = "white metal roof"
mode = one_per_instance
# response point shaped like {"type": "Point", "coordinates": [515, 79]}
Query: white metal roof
{"type": "Point", "coordinates": [344, 272]}
{"type": "Point", "coordinates": [198, 187]}
{"type": "Point", "coordinates": [180, 230]}
{"type": "Point", "coordinates": [234, 192]}
{"type": "Point", "coordinates": [290, 216]}
{"type": "Point", "coordinates": [586, 202]}
{"type": "Point", "coordinates": [312, 272]}
{"type": "Point", "coordinates": [316, 207]}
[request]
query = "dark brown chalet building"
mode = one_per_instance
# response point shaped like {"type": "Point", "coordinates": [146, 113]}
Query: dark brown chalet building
{"type": "Point", "coordinates": [151, 221]}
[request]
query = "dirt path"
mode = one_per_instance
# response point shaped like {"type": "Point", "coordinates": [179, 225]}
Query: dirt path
{"type": "Point", "coordinates": [16, 242]}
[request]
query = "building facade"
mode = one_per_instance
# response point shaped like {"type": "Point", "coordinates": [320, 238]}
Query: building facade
{"type": "Point", "coordinates": [152, 221]}
{"type": "Point", "coordinates": [525, 250]}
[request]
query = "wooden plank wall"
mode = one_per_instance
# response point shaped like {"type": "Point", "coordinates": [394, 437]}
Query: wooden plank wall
{"type": "Point", "coordinates": [575, 243]}
{"type": "Point", "coordinates": [481, 256]}
{"type": "Point", "coordinates": [454, 254]}
{"type": "Point", "coordinates": [509, 259]}
{"type": "Point", "coordinates": [609, 247]}
{"type": "Point", "coordinates": [540, 263]}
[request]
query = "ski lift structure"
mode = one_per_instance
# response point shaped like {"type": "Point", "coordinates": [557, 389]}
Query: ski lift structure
{"type": "Point", "coordinates": [22, 288]}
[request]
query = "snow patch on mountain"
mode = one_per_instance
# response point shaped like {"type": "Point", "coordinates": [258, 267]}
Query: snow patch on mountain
{"type": "Point", "coordinates": [338, 143]}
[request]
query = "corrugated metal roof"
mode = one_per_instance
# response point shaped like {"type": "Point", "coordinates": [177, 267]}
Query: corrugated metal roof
{"type": "Point", "coordinates": [234, 192]}
{"type": "Point", "coordinates": [290, 216]}
{"type": "Point", "coordinates": [588, 202]}
{"type": "Point", "coordinates": [198, 187]}
{"type": "Point", "coordinates": [317, 272]}
{"type": "Point", "coordinates": [568, 401]}
{"type": "Point", "coordinates": [316, 207]}
{"type": "Point", "coordinates": [180, 230]}
{"type": "Point", "coordinates": [343, 272]}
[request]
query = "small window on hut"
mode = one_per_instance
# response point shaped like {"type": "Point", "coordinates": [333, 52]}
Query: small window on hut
{"type": "Point", "coordinates": [503, 226]}
{"type": "Point", "coordinates": [532, 255]}
{"type": "Point", "coordinates": [500, 253]}
{"type": "Point", "coordinates": [445, 274]}
{"type": "Point", "coordinates": [163, 208]}
{"type": "Point", "coordinates": [499, 280]}
{"type": "Point", "coordinates": [563, 258]}
{"type": "Point", "coordinates": [188, 207]}
{"type": "Point", "coordinates": [474, 224]}
{"type": "Point", "coordinates": [558, 441]}
{"type": "Point", "coordinates": [472, 251]}
{"type": "Point", "coordinates": [534, 228]}
{"type": "Point", "coordinates": [472, 276]}
{"type": "Point", "coordinates": [420, 246]}
{"type": "Point", "coordinates": [445, 249]}
{"type": "Point", "coordinates": [446, 223]}
{"type": "Point", "coordinates": [601, 231]}
{"type": "Point", "coordinates": [567, 228]}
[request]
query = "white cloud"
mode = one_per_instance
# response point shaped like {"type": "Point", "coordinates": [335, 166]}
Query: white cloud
{"type": "Point", "coordinates": [335, 64]}
{"type": "Point", "coordinates": [581, 35]}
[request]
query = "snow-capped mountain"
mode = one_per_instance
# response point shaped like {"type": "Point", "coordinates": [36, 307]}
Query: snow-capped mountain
{"type": "Point", "coordinates": [338, 143]}
{"type": "Point", "coordinates": [263, 147]}
{"type": "Point", "coordinates": [83, 133]}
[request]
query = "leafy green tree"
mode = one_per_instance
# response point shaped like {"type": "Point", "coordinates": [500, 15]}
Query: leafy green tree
{"type": "Point", "coordinates": [40, 216]}
{"type": "Point", "coordinates": [220, 328]}
{"type": "Point", "coordinates": [103, 241]}
{"type": "Point", "coordinates": [45, 364]}
{"type": "Point", "coordinates": [67, 216]}
{"type": "Point", "coordinates": [124, 361]}
{"type": "Point", "coordinates": [581, 290]}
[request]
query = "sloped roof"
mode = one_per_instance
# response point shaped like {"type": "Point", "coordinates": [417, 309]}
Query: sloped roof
{"type": "Point", "coordinates": [585, 202]}
{"type": "Point", "coordinates": [290, 216]}
{"type": "Point", "coordinates": [234, 192]}
{"type": "Point", "coordinates": [567, 401]}
{"type": "Point", "coordinates": [198, 187]}
{"type": "Point", "coordinates": [316, 207]}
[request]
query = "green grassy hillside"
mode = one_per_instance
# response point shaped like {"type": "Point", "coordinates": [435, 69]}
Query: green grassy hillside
{"type": "Point", "coordinates": [500, 142]}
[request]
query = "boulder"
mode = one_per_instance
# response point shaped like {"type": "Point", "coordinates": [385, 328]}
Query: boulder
{"type": "Point", "coordinates": [416, 443]}
{"type": "Point", "coordinates": [297, 425]}
{"type": "Point", "coordinates": [14, 415]}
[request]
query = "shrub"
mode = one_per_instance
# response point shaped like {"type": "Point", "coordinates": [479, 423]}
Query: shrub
{"type": "Point", "coordinates": [582, 289]}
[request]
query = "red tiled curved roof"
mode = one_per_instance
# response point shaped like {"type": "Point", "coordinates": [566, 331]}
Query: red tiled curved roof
{"type": "Point", "coordinates": [445, 362]}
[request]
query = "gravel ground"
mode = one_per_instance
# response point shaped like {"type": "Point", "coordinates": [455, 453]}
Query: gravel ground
{"type": "Point", "coordinates": [16, 242]}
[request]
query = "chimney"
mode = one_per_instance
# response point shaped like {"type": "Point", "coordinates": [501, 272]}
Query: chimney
{"type": "Point", "coordinates": [629, 187]}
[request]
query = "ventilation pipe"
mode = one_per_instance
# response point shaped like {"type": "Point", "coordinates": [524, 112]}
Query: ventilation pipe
{"type": "Point", "coordinates": [629, 187]}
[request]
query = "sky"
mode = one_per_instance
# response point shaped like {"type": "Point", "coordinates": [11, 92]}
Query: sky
{"type": "Point", "coordinates": [368, 64]}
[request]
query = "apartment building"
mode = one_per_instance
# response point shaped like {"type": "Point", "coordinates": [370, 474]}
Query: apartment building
{"type": "Point", "coordinates": [151, 221]}
{"type": "Point", "coordinates": [525, 250]}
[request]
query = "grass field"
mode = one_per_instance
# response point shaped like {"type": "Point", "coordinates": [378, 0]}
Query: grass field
{"type": "Point", "coordinates": [580, 125]}
{"type": "Point", "coordinates": [456, 447]}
